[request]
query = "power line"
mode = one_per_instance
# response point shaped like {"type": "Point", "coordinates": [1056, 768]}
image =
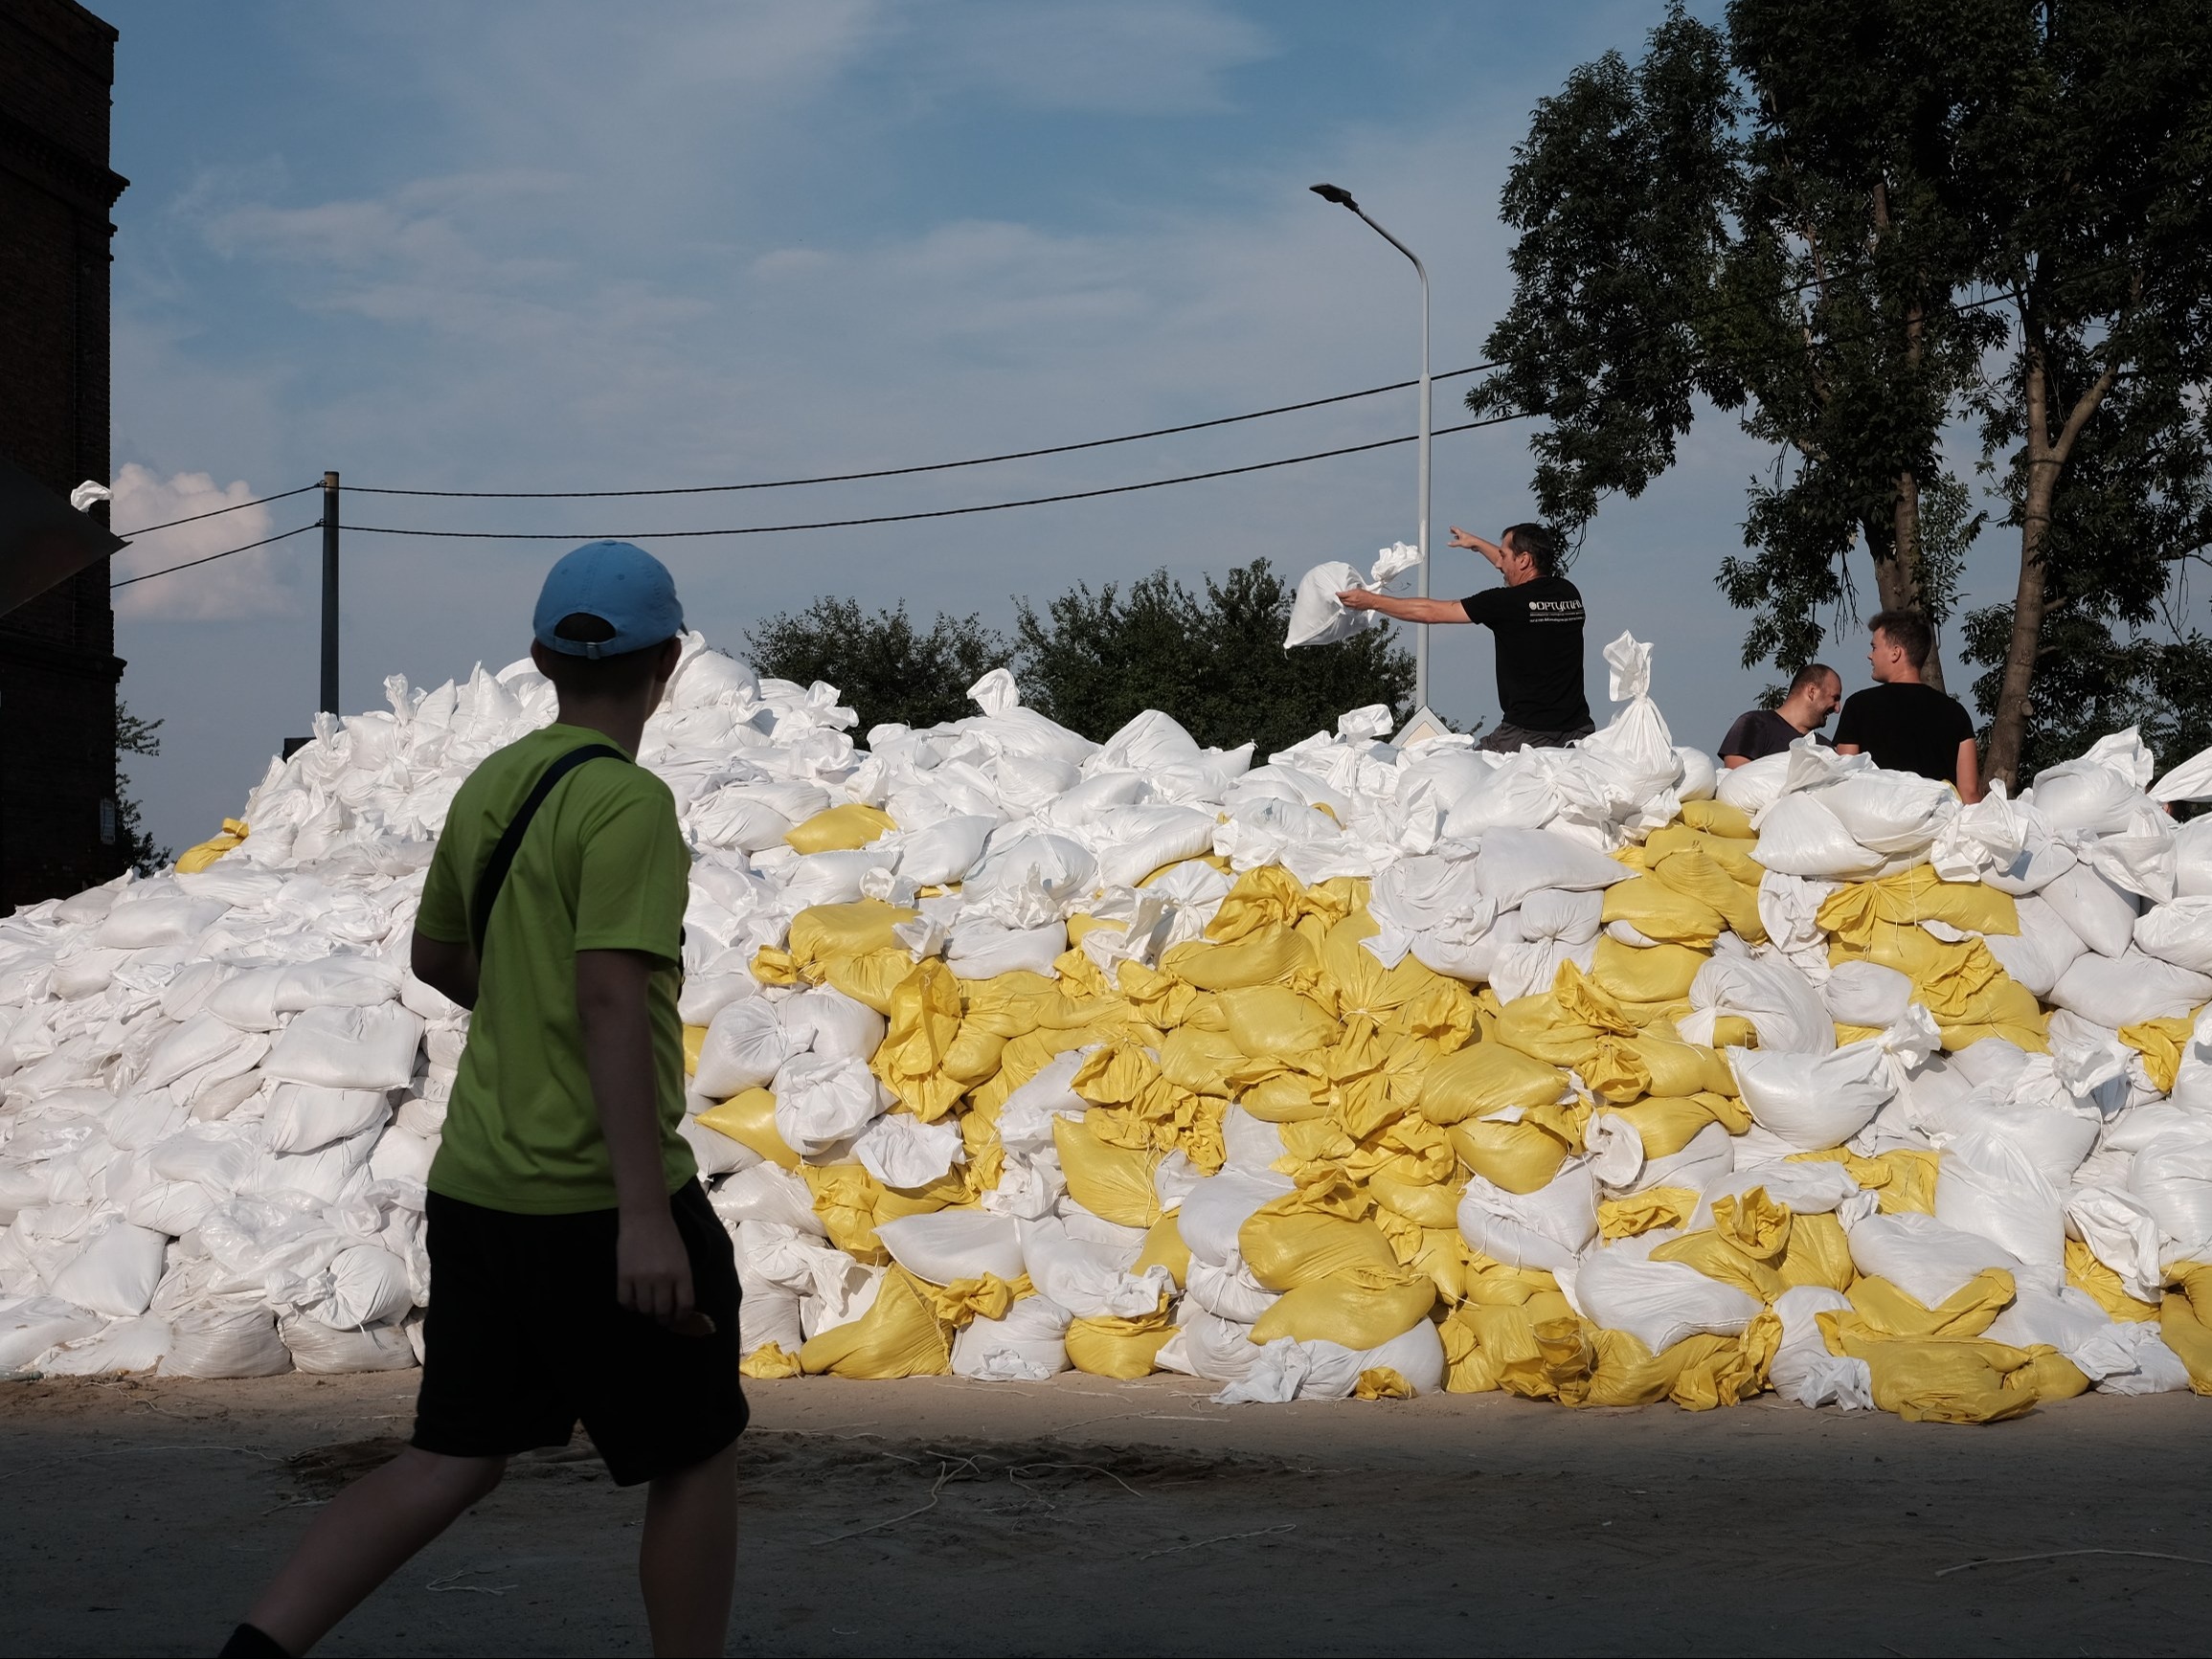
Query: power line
{"type": "Point", "coordinates": [905, 518]}
{"type": "Point", "coordinates": [210, 558]}
{"type": "Point", "coordinates": [909, 471]}
{"type": "Point", "coordinates": [217, 512]}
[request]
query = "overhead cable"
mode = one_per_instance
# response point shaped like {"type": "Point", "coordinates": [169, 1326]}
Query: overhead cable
{"type": "Point", "coordinates": [210, 558]}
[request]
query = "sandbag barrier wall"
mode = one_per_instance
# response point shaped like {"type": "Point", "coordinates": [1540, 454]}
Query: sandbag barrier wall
{"type": "Point", "coordinates": [1583, 1074]}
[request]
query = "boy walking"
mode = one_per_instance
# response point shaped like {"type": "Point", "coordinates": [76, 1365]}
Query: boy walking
{"type": "Point", "coordinates": [578, 1270]}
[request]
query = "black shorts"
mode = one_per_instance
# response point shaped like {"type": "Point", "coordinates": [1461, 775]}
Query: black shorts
{"type": "Point", "coordinates": [523, 1337]}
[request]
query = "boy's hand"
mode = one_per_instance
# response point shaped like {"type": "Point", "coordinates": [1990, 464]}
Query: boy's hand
{"type": "Point", "coordinates": [652, 1269]}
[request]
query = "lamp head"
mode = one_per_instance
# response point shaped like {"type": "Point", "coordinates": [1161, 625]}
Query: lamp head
{"type": "Point", "coordinates": [1343, 198]}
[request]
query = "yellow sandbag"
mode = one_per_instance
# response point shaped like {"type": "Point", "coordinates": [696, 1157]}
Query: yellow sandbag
{"type": "Point", "coordinates": [773, 965]}
{"type": "Point", "coordinates": [1657, 911]}
{"type": "Point", "coordinates": [1624, 1217]}
{"type": "Point", "coordinates": [1717, 818]}
{"type": "Point", "coordinates": [1522, 1155]}
{"type": "Point", "coordinates": [1382, 1382]}
{"type": "Point", "coordinates": [1860, 911]}
{"type": "Point", "coordinates": [1668, 1123]}
{"type": "Point", "coordinates": [769, 1362]}
{"type": "Point", "coordinates": [1425, 1203]}
{"type": "Point", "coordinates": [1199, 1060]}
{"type": "Point", "coordinates": [1275, 1022]}
{"type": "Point", "coordinates": [925, 1023]}
{"type": "Point", "coordinates": [1112, 1183]}
{"type": "Point", "coordinates": [840, 829]}
{"type": "Point", "coordinates": [195, 859]}
{"type": "Point", "coordinates": [821, 931]}
{"type": "Point", "coordinates": [1732, 853]}
{"type": "Point", "coordinates": [965, 1301]}
{"type": "Point", "coordinates": [1682, 1068]}
{"type": "Point", "coordinates": [1699, 1371]}
{"type": "Point", "coordinates": [1353, 982]}
{"type": "Point", "coordinates": [1698, 874]}
{"type": "Point", "coordinates": [1118, 1348]}
{"type": "Point", "coordinates": [1285, 1245]}
{"type": "Point", "coordinates": [1487, 1077]}
{"type": "Point", "coordinates": [694, 1041]}
{"type": "Point", "coordinates": [750, 1119]}
{"type": "Point", "coordinates": [1933, 1381]}
{"type": "Point", "coordinates": [1345, 1310]}
{"type": "Point", "coordinates": [899, 1336]}
{"type": "Point", "coordinates": [1163, 1247]}
{"type": "Point", "coordinates": [2185, 1320]}
{"type": "Point", "coordinates": [871, 976]}
{"type": "Point", "coordinates": [1888, 1310]}
{"type": "Point", "coordinates": [1818, 1253]}
{"type": "Point", "coordinates": [1645, 973]}
{"type": "Point", "coordinates": [1275, 955]}
{"type": "Point", "coordinates": [2103, 1287]}
{"type": "Point", "coordinates": [2161, 1043]}
{"type": "Point", "coordinates": [1903, 1179]}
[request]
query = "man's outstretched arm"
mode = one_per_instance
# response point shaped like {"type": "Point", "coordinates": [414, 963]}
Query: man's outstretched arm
{"type": "Point", "coordinates": [1405, 610]}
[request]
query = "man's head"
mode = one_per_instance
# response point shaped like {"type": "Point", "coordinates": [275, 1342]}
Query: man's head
{"type": "Point", "coordinates": [1815, 691]}
{"type": "Point", "coordinates": [606, 624]}
{"type": "Point", "coordinates": [1532, 550]}
{"type": "Point", "coordinates": [1899, 646]}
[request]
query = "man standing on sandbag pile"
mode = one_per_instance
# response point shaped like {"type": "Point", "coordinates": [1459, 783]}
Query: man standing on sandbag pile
{"type": "Point", "coordinates": [1814, 694]}
{"type": "Point", "coordinates": [579, 1272]}
{"type": "Point", "coordinates": [1537, 617]}
{"type": "Point", "coordinates": [1907, 726]}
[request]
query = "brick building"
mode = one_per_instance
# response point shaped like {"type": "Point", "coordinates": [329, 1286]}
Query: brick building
{"type": "Point", "coordinates": [57, 664]}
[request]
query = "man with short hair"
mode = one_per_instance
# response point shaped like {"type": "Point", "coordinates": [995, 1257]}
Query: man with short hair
{"type": "Point", "coordinates": [1814, 694]}
{"type": "Point", "coordinates": [580, 1271]}
{"type": "Point", "coordinates": [1537, 618]}
{"type": "Point", "coordinates": [1906, 725]}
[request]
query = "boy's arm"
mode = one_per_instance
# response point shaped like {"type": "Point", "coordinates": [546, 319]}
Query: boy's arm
{"type": "Point", "coordinates": [653, 1270]}
{"type": "Point", "coordinates": [447, 969]}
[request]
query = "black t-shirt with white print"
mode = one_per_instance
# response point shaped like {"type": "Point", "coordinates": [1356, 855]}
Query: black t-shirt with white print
{"type": "Point", "coordinates": [1538, 630]}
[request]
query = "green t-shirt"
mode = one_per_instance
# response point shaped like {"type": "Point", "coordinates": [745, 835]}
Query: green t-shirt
{"type": "Point", "coordinates": [603, 867]}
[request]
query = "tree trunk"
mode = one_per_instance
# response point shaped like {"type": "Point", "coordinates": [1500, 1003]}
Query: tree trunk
{"type": "Point", "coordinates": [1897, 579]}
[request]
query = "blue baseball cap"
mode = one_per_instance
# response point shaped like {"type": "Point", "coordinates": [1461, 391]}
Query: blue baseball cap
{"type": "Point", "coordinates": [619, 583]}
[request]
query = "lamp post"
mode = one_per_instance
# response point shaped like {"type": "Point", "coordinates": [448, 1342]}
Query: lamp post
{"type": "Point", "coordinates": [1343, 198]}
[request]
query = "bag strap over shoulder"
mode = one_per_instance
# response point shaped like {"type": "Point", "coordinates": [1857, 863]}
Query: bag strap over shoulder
{"type": "Point", "coordinates": [495, 868]}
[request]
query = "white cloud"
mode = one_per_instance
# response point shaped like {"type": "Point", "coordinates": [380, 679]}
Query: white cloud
{"type": "Point", "coordinates": [248, 584]}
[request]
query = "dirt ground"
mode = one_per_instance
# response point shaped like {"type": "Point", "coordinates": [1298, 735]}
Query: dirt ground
{"type": "Point", "coordinates": [1087, 1517]}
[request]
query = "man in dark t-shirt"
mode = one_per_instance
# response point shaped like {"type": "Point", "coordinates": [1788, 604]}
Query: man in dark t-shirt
{"type": "Point", "coordinates": [1904, 724]}
{"type": "Point", "coordinates": [1814, 694]}
{"type": "Point", "coordinates": [1537, 618]}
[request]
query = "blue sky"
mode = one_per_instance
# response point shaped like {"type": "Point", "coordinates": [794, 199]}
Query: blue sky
{"type": "Point", "coordinates": [563, 246]}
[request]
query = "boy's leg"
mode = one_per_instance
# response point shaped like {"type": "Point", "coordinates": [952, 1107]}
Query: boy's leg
{"type": "Point", "coordinates": [688, 1559]}
{"type": "Point", "coordinates": [364, 1536]}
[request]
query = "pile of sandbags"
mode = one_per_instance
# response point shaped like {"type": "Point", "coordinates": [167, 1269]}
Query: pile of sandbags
{"type": "Point", "coordinates": [1590, 1074]}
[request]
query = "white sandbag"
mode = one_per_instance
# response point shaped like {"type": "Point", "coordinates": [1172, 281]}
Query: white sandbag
{"type": "Point", "coordinates": [762, 1192]}
{"type": "Point", "coordinates": [2116, 990]}
{"type": "Point", "coordinates": [978, 947]}
{"type": "Point", "coordinates": [2082, 797]}
{"type": "Point", "coordinates": [1890, 813]}
{"type": "Point", "coordinates": [402, 1154]}
{"type": "Point", "coordinates": [1709, 1154]}
{"type": "Point", "coordinates": [1218, 1207]}
{"type": "Point", "coordinates": [821, 1103]}
{"type": "Point", "coordinates": [2179, 932]}
{"type": "Point", "coordinates": [2172, 1177]}
{"type": "Point", "coordinates": [1701, 775]}
{"type": "Point", "coordinates": [1319, 617]}
{"type": "Point", "coordinates": [1782, 1005]}
{"type": "Point", "coordinates": [1798, 836]}
{"type": "Point", "coordinates": [1804, 1370]}
{"type": "Point", "coordinates": [1658, 1303]}
{"type": "Point", "coordinates": [323, 1350]}
{"type": "Point", "coordinates": [902, 1151]}
{"type": "Point", "coordinates": [1140, 840]}
{"type": "Point", "coordinates": [1814, 1102]}
{"type": "Point", "coordinates": [165, 918]}
{"type": "Point", "coordinates": [1988, 1186]}
{"type": "Point", "coordinates": [246, 999]}
{"type": "Point", "coordinates": [1516, 863]}
{"type": "Point", "coordinates": [2042, 950]}
{"type": "Point", "coordinates": [827, 1022]}
{"type": "Point", "coordinates": [1928, 1259]}
{"type": "Point", "coordinates": [715, 1153]}
{"type": "Point", "coordinates": [202, 1043]}
{"type": "Point", "coordinates": [946, 851]}
{"type": "Point", "coordinates": [2193, 858]}
{"type": "Point", "coordinates": [745, 1046]}
{"type": "Point", "coordinates": [134, 1345]}
{"type": "Point", "coordinates": [1228, 1293]}
{"type": "Point", "coordinates": [116, 1272]}
{"type": "Point", "coordinates": [705, 995]}
{"type": "Point", "coordinates": [1806, 1189]}
{"type": "Point", "coordinates": [955, 1244]}
{"type": "Point", "coordinates": [1029, 880]}
{"type": "Point", "coordinates": [2101, 915]}
{"type": "Point", "coordinates": [1755, 786]}
{"type": "Point", "coordinates": [30, 1325]}
{"type": "Point", "coordinates": [1547, 1228]}
{"type": "Point", "coordinates": [1028, 1345]}
{"type": "Point", "coordinates": [1866, 994]}
{"type": "Point", "coordinates": [1088, 1279]}
{"type": "Point", "coordinates": [1251, 1144]}
{"type": "Point", "coordinates": [1210, 1347]}
{"type": "Point", "coordinates": [302, 1118]}
{"type": "Point", "coordinates": [367, 1285]}
{"type": "Point", "coordinates": [344, 1048]}
{"type": "Point", "coordinates": [337, 983]}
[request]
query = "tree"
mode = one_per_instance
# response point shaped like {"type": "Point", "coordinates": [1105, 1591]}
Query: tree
{"type": "Point", "coordinates": [1215, 662]}
{"type": "Point", "coordinates": [885, 669]}
{"type": "Point", "coordinates": [1853, 226]}
{"type": "Point", "coordinates": [135, 842]}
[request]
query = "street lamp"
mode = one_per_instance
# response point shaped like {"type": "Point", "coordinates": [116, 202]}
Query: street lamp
{"type": "Point", "coordinates": [1343, 198]}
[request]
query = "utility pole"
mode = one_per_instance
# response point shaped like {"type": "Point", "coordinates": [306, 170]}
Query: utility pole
{"type": "Point", "coordinates": [329, 702]}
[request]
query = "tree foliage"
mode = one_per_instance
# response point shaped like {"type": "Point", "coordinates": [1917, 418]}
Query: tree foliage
{"type": "Point", "coordinates": [1092, 661]}
{"type": "Point", "coordinates": [884, 668]}
{"type": "Point", "coordinates": [1853, 226]}
{"type": "Point", "coordinates": [1215, 661]}
{"type": "Point", "coordinates": [133, 841]}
